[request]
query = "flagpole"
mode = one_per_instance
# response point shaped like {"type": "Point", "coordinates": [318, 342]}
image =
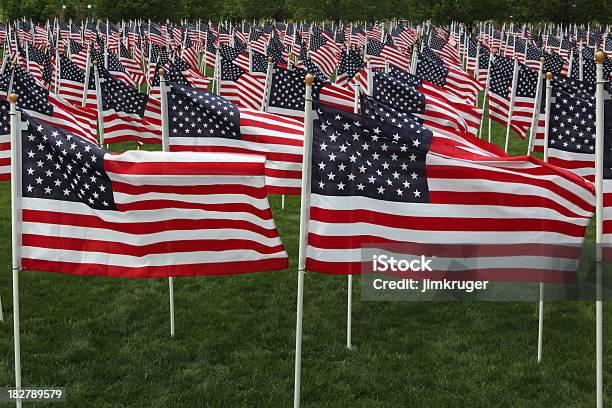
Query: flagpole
{"type": "Point", "coordinates": [16, 232]}
{"type": "Point", "coordinates": [549, 76]}
{"type": "Point", "coordinates": [349, 298]}
{"type": "Point", "coordinates": [511, 107]}
{"type": "Point", "coordinates": [536, 109]}
{"type": "Point", "coordinates": [304, 217]}
{"type": "Point", "coordinates": [486, 104]}
{"type": "Point", "coordinates": [599, 146]}
{"type": "Point", "coordinates": [99, 103]}
{"type": "Point", "coordinates": [165, 148]}
{"type": "Point", "coordinates": [86, 80]}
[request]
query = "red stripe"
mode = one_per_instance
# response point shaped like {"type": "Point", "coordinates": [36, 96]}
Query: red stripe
{"type": "Point", "coordinates": [449, 223]}
{"type": "Point", "coordinates": [167, 247]}
{"type": "Point", "coordinates": [202, 269]}
{"type": "Point", "coordinates": [467, 173]}
{"type": "Point", "coordinates": [281, 157]}
{"type": "Point", "coordinates": [257, 192]}
{"type": "Point", "coordinates": [272, 140]}
{"type": "Point", "coordinates": [185, 168]}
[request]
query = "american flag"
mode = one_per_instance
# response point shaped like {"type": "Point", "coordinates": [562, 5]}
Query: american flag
{"type": "Point", "coordinates": [40, 65]}
{"type": "Point", "coordinates": [445, 116]}
{"type": "Point", "coordinates": [350, 64]}
{"type": "Point", "coordinates": [374, 184]}
{"type": "Point", "coordinates": [47, 107]}
{"type": "Point", "coordinates": [287, 93]}
{"type": "Point", "coordinates": [78, 54]}
{"type": "Point", "coordinates": [607, 172]}
{"type": "Point", "coordinates": [128, 114]}
{"type": "Point", "coordinates": [130, 64]}
{"type": "Point", "coordinates": [571, 134]}
{"type": "Point", "coordinates": [244, 89]}
{"type": "Point", "coordinates": [533, 57]}
{"type": "Point", "coordinates": [71, 84]}
{"type": "Point", "coordinates": [142, 214]}
{"type": "Point", "coordinates": [452, 79]}
{"type": "Point", "coordinates": [467, 143]}
{"type": "Point", "coordinates": [200, 121]}
{"type": "Point", "coordinates": [499, 95]}
{"type": "Point", "coordinates": [580, 89]}
{"type": "Point", "coordinates": [5, 141]}
{"type": "Point", "coordinates": [324, 52]}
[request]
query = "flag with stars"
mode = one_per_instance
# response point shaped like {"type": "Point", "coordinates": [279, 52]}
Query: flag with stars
{"type": "Point", "coordinates": [287, 91]}
{"type": "Point", "coordinates": [71, 84]}
{"type": "Point", "coordinates": [127, 113]}
{"type": "Point", "coordinates": [500, 88]}
{"type": "Point", "coordinates": [244, 89]}
{"type": "Point", "coordinates": [453, 79]}
{"type": "Point", "coordinates": [351, 63]}
{"type": "Point", "coordinates": [5, 141]}
{"type": "Point", "coordinates": [47, 107]}
{"type": "Point", "coordinates": [429, 122]}
{"type": "Point", "coordinates": [442, 111]}
{"type": "Point", "coordinates": [571, 134]}
{"type": "Point", "coordinates": [142, 214]}
{"type": "Point", "coordinates": [201, 121]}
{"type": "Point", "coordinates": [374, 184]}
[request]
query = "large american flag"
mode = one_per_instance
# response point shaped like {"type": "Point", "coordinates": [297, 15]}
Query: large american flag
{"type": "Point", "coordinates": [200, 121]}
{"type": "Point", "coordinates": [376, 184]}
{"type": "Point", "coordinates": [142, 214]}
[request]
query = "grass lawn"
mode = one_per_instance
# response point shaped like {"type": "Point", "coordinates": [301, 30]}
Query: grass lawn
{"type": "Point", "coordinates": [107, 340]}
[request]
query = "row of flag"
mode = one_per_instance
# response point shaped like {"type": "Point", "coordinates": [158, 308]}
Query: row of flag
{"type": "Point", "coordinates": [398, 154]}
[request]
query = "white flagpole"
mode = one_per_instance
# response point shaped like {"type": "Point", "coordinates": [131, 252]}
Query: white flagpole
{"type": "Point", "coordinates": [536, 109]}
{"type": "Point", "coordinates": [599, 146]}
{"type": "Point", "coordinates": [485, 104]}
{"type": "Point", "coordinates": [99, 103]}
{"type": "Point", "coordinates": [511, 108]}
{"type": "Point", "coordinates": [15, 231]}
{"type": "Point", "coordinates": [549, 76]}
{"type": "Point", "coordinates": [86, 83]}
{"type": "Point", "coordinates": [304, 217]}
{"type": "Point", "coordinates": [349, 298]}
{"type": "Point", "coordinates": [165, 148]}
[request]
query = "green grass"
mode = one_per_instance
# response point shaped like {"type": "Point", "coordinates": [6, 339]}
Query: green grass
{"type": "Point", "coordinates": [107, 341]}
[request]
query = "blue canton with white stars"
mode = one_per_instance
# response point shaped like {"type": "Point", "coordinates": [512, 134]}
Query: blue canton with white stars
{"type": "Point", "coordinates": [196, 113]}
{"type": "Point", "coordinates": [60, 166]}
{"type": "Point", "coordinates": [354, 155]}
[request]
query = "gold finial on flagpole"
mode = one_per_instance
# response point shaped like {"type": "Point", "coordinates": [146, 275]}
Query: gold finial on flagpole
{"type": "Point", "coordinates": [13, 98]}
{"type": "Point", "coordinates": [541, 59]}
{"type": "Point", "coordinates": [309, 79]}
{"type": "Point", "coordinates": [161, 72]}
{"type": "Point", "coordinates": [599, 57]}
{"type": "Point", "coordinates": [549, 76]}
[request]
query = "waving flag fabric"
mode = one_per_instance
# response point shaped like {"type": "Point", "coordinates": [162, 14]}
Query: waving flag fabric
{"type": "Point", "coordinates": [373, 183]}
{"type": "Point", "coordinates": [142, 214]}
